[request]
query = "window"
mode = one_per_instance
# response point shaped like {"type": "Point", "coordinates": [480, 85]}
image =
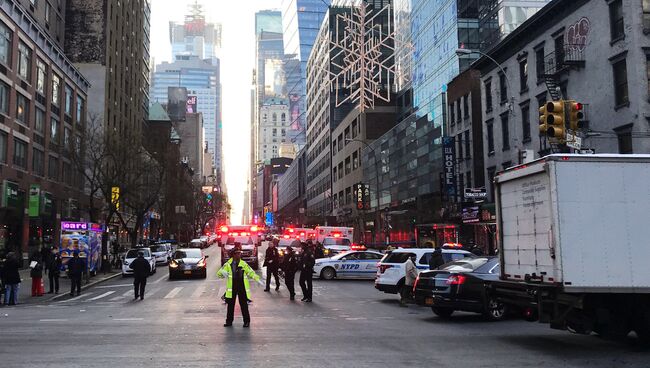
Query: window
{"type": "Point", "coordinates": [467, 145]}
{"type": "Point", "coordinates": [53, 168]}
{"type": "Point", "coordinates": [68, 100]}
{"type": "Point", "coordinates": [624, 136]}
{"type": "Point", "coordinates": [459, 151]}
{"type": "Point", "coordinates": [452, 118]}
{"type": "Point", "coordinates": [24, 62]}
{"type": "Point", "coordinates": [490, 136]}
{"type": "Point", "coordinates": [539, 63]}
{"type": "Point", "coordinates": [616, 20]}
{"type": "Point", "coordinates": [39, 121]}
{"type": "Point", "coordinates": [20, 154]}
{"type": "Point", "coordinates": [22, 108]}
{"type": "Point", "coordinates": [67, 134]}
{"type": "Point", "coordinates": [4, 98]}
{"type": "Point", "coordinates": [41, 75]}
{"type": "Point", "coordinates": [355, 160]}
{"type": "Point", "coordinates": [47, 12]}
{"type": "Point", "coordinates": [503, 87]}
{"type": "Point", "coordinates": [468, 179]}
{"type": "Point", "coordinates": [491, 172]}
{"type": "Point", "coordinates": [525, 122]}
{"type": "Point", "coordinates": [274, 118]}
{"type": "Point", "coordinates": [56, 85]}
{"type": "Point", "coordinates": [334, 146]}
{"type": "Point", "coordinates": [523, 75]}
{"type": "Point", "coordinates": [334, 177]}
{"type": "Point", "coordinates": [466, 107]}
{"type": "Point", "coordinates": [38, 162]}
{"type": "Point", "coordinates": [488, 96]}
{"type": "Point", "coordinates": [354, 129]}
{"type": "Point", "coordinates": [3, 147]}
{"type": "Point", "coordinates": [5, 44]}
{"type": "Point", "coordinates": [283, 117]}
{"type": "Point", "coordinates": [348, 169]}
{"type": "Point", "coordinates": [275, 132]}
{"type": "Point", "coordinates": [341, 170]}
{"type": "Point", "coordinates": [620, 82]}
{"type": "Point", "coordinates": [646, 14]}
{"type": "Point", "coordinates": [80, 110]}
{"type": "Point", "coordinates": [505, 135]}
{"type": "Point", "coordinates": [54, 131]}
{"type": "Point", "coordinates": [458, 111]}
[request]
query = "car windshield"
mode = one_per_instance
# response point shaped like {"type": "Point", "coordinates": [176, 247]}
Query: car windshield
{"type": "Point", "coordinates": [336, 241]}
{"type": "Point", "coordinates": [239, 239]}
{"type": "Point", "coordinates": [133, 253]}
{"type": "Point", "coordinates": [467, 264]}
{"type": "Point", "coordinates": [158, 248]}
{"type": "Point", "coordinates": [187, 253]}
{"type": "Point", "coordinates": [397, 257]}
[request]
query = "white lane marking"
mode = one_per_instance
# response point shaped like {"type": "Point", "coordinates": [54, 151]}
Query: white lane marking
{"type": "Point", "coordinates": [116, 298]}
{"type": "Point", "coordinates": [128, 319]}
{"type": "Point", "coordinates": [128, 292]}
{"type": "Point", "coordinates": [100, 296]}
{"type": "Point", "coordinates": [162, 277]}
{"type": "Point", "coordinates": [173, 293]}
{"type": "Point", "coordinates": [198, 292]}
{"type": "Point", "coordinates": [112, 286]}
{"type": "Point", "coordinates": [54, 320]}
{"type": "Point", "coordinates": [75, 298]}
{"type": "Point", "coordinates": [150, 293]}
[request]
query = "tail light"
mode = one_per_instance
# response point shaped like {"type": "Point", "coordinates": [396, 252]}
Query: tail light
{"type": "Point", "coordinates": [415, 284]}
{"type": "Point", "coordinates": [383, 268]}
{"type": "Point", "coordinates": [224, 229]}
{"type": "Point", "coordinates": [286, 236]}
{"type": "Point", "coordinates": [456, 280]}
{"type": "Point", "coordinates": [253, 229]}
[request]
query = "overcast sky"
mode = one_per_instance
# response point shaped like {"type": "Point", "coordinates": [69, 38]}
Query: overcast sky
{"type": "Point", "coordinates": [238, 53]}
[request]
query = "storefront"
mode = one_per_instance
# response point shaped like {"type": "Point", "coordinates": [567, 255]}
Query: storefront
{"type": "Point", "coordinates": [479, 227]}
{"type": "Point", "coordinates": [12, 223]}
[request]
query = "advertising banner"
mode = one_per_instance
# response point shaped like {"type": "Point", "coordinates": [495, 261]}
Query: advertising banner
{"type": "Point", "coordinates": [177, 103]}
{"type": "Point", "coordinates": [9, 197]}
{"type": "Point", "coordinates": [34, 200]}
{"type": "Point", "coordinates": [192, 101]}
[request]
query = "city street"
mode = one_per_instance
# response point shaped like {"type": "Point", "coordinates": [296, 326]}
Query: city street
{"type": "Point", "coordinates": [179, 323]}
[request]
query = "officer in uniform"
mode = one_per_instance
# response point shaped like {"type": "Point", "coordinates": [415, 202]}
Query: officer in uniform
{"type": "Point", "coordinates": [237, 286]}
{"type": "Point", "coordinates": [289, 267]}
{"type": "Point", "coordinates": [272, 263]}
{"type": "Point", "coordinates": [306, 270]}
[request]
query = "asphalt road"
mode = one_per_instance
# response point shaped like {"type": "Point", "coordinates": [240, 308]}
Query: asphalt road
{"type": "Point", "coordinates": [350, 324]}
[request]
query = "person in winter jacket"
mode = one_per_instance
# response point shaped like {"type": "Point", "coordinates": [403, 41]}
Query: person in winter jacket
{"type": "Point", "coordinates": [436, 259]}
{"type": "Point", "coordinates": [289, 265]}
{"type": "Point", "coordinates": [306, 270]}
{"type": "Point", "coordinates": [272, 264]}
{"type": "Point", "coordinates": [237, 272]}
{"type": "Point", "coordinates": [409, 280]}
{"type": "Point", "coordinates": [36, 273]}
{"type": "Point", "coordinates": [11, 278]}
{"type": "Point", "coordinates": [141, 270]}
{"type": "Point", "coordinates": [76, 268]}
{"type": "Point", "coordinates": [54, 271]}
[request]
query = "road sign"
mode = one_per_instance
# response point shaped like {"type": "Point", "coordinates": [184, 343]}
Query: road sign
{"type": "Point", "coordinates": [475, 193]}
{"type": "Point", "coordinates": [573, 141]}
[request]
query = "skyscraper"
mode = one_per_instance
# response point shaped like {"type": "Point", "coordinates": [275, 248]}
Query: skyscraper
{"type": "Point", "coordinates": [195, 36]}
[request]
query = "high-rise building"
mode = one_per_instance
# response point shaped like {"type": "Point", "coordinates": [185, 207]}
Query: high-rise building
{"type": "Point", "coordinates": [301, 20]}
{"type": "Point", "coordinates": [109, 43]}
{"type": "Point", "coordinates": [274, 124]}
{"type": "Point", "coordinates": [268, 21]}
{"type": "Point", "coordinates": [498, 18]}
{"type": "Point", "coordinates": [195, 36]}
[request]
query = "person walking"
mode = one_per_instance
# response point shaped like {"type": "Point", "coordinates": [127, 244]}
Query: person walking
{"type": "Point", "coordinates": [436, 259]}
{"type": "Point", "coordinates": [3, 284]}
{"type": "Point", "coordinates": [409, 280]}
{"type": "Point", "coordinates": [11, 276]}
{"type": "Point", "coordinates": [76, 268]}
{"type": "Point", "coordinates": [237, 272]}
{"type": "Point", "coordinates": [272, 263]}
{"type": "Point", "coordinates": [36, 273]}
{"type": "Point", "coordinates": [289, 264]}
{"type": "Point", "coordinates": [306, 270]}
{"type": "Point", "coordinates": [141, 270]}
{"type": "Point", "coordinates": [54, 271]}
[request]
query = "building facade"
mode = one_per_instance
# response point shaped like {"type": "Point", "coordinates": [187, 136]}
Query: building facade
{"type": "Point", "coordinates": [192, 143]}
{"type": "Point", "coordinates": [274, 125]}
{"type": "Point", "coordinates": [43, 105]}
{"type": "Point", "coordinates": [291, 193]}
{"type": "Point", "coordinates": [195, 36]}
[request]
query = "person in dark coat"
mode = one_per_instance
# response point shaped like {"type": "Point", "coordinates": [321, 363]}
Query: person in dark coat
{"type": "Point", "coordinates": [272, 263]}
{"type": "Point", "coordinates": [289, 264]}
{"type": "Point", "coordinates": [141, 270]}
{"type": "Point", "coordinates": [319, 251]}
{"type": "Point", "coordinates": [11, 277]}
{"type": "Point", "coordinates": [306, 270]}
{"type": "Point", "coordinates": [54, 271]}
{"type": "Point", "coordinates": [436, 259]}
{"type": "Point", "coordinates": [36, 273]}
{"type": "Point", "coordinates": [76, 268]}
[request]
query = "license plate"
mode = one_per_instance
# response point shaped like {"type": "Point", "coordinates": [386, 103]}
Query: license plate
{"type": "Point", "coordinates": [188, 272]}
{"type": "Point", "coordinates": [428, 301]}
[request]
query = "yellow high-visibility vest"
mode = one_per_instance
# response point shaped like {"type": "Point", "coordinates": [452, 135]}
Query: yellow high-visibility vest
{"type": "Point", "coordinates": [226, 271]}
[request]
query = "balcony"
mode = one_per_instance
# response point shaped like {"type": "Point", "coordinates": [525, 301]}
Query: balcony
{"type": "Point", "coordinates": [555, 63]}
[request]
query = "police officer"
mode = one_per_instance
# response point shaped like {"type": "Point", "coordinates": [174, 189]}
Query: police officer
{"type": "Point", "coordinates": [272, 263]}
{"type": "Point", "coordinates": [238, 272]}
{"type": "Point", "coordinates": [306, 270]}
{"type": "Point", "coordinates": [76, 268]}
{"type": "Point", "coordinates": [289, 264]}
{"type": "Point", "coordinates": [141, 270]}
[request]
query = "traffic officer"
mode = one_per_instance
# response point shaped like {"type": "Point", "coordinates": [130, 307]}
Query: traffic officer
{"type": "Point", "coordinates": [141, 270]}
{"type": "Point", "coordinates": [289, 264]}
{"type": "Point", "coordinates": [238, 272]}
{"type": "Point", "coordinates": [306, 270]}
{"type": "Point", "coordinates": [272, 263]}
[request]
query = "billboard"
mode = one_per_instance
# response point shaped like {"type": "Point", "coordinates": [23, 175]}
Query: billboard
{"type": "Point", "coordinates": [176, 103]}
{"type": "Point", "coordinates": [191, 104]}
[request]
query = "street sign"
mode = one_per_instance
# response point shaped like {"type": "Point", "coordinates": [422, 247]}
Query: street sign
{"type": "Point", "coordinates": [475, 193]}
{"type": "Point", "coordinates": [573, 141]}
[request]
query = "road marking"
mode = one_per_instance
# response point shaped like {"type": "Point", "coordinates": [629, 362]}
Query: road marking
{"type": "Point", "coordinates": [75, 298]}
{"type": "Point", "coordinates": [162, 277]}
{"type": "Point", "coordinates": [53, 320]}
{"type": "Point", "coordinates": [112, 286]}
{"type": "Point", "coordinates": [128, 319]}
{"type": "Point", "coordinates": [116, 298]}
{"type": "Point", "coordinates": [100, 296]}
{"type": "Point", "coordinates": [127, 293]}
{"type": "Point", "coordinates": [150, 293]}
{"type": "Point", "coordinates": [198, 292]}
{"type": "Point", "coordinates": [173, 293]}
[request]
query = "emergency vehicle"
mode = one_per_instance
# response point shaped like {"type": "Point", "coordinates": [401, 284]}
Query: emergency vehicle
{"type": "Point", "coordinates": [342, 232]}
{"type": "Point", "coordinates": [246, 237]}
{"type": "Point", "coordinates": [357, 265]}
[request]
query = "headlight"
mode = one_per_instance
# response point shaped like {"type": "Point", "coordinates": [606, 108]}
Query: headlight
{"type": "Point", "coordinates": [126, 263]}
{"type": "Point", "coordinates": [173, 264]}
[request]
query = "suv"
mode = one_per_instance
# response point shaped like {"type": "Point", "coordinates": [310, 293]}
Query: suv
{"type": "Point", "coordinates": [391, 272]}
{"type": "Point", "coordinates": [132, 254]}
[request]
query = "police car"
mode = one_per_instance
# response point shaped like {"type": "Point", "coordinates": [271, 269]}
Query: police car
{"type": "Point", "coordinates": [357, 265]}
{"type": "Point", "coordinates": [391, 271]}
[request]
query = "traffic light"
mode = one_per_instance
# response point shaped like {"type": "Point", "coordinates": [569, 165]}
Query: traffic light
{"type": "Point", "coordinates": [543, 115]}
{"type": "Point", "coordinates": [208, 199]}
{"type": "Point", "coordinates": [555, 119]}
{"type": "Point", "coordinates": [576, 116]}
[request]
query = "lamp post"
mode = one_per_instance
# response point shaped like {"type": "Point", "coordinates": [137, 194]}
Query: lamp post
{"type": "Point", "coordinates": [376, 181]}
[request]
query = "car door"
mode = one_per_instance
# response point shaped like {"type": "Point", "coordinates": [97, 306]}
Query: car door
{"type": "Point", "coordinates": [368, 264]}
{"type": "Point", "coordinates": [348, 266]}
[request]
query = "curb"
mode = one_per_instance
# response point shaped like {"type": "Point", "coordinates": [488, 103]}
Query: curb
{"type": "Point", "coordinates": [86, 286]}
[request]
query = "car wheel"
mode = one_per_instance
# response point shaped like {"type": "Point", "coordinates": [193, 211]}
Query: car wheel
{"type": "Point", "coordinates": [494, 309]}
{"type": "Point", "coordinates": [327, 273]}
{"type": "Point", "coordinates": [442, 312]}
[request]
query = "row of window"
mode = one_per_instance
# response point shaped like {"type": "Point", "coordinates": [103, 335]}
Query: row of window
{"type": "Point", "coordinates": [351, 132]}
{"type": "Point", "coordinates": [456, 114]}
{"type": "Point", "coordinates": [346, 166]}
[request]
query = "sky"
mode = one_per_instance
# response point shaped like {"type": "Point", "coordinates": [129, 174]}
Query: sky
{"type": "Point", "coordinates": [238, 53]}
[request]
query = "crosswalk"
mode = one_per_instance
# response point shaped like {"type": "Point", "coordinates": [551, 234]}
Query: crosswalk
{"type": "Point", "coordinates": [123, 293]}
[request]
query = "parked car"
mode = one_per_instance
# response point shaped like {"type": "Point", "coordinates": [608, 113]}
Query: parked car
{"type": "Point", "coordinates": [162, 252]}
{"type": "Point", "coordinates": [197, 243]}
{"type": "Point", "coordinates": [357, 265]}
{"type": "Point", "coordinates": [132, 254]}
{"type": "Point", "coordinates": [391, 272]}
{"type": "Point", "coordinates": [461, 286]}
{"type": "Point", "coordinates": [188, 262]}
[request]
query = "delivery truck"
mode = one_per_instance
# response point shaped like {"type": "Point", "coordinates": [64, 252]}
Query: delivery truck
{"type": "Point", "coordinates": [574, 242]}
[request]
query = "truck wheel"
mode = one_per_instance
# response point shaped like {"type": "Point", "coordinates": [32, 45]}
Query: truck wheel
{"type": "Point", "coordinates": [327, 273]}
{"type": "Point", "coordinates": [494, 309]}
{"type": "Point", "coordinates": [442, 312]}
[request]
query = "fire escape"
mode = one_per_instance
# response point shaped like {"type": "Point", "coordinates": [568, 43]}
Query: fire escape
{"type": "Point", "coordinates": [558, 62]}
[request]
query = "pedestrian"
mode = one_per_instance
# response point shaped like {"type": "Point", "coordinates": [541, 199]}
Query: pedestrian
{"type": "Point", "coordinates": [76, 268]}
{"type": "Point", "coordinates": [54, 271]}
{"type": "Point", "coordinates": [272, 263]}
{"type": "Point", "coordinates": [289, 264]}
{"type": "Point", "coordinates": [36, 273]}
{"type": "Point", "coordinates": [46, 254]}
{"type": "Point", "coordinates": [319, 252]}
{"type": "Point", "coordinates": [409, 280]}
{"type": "Point", "coordinates": [3, 284]}
{"type": "Point", "coordinates": [306, 271]}
{"type": "Point", "coordinates": [141, 270]}
{"type": "Point", "coordinates": [11, 278]}
{"type": "Point", "coordinates": [237, 286]}
{"type": "Point", "coordinates": [436, 259]}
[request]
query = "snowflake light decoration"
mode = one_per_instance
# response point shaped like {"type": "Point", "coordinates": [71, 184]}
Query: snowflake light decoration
{"type": "Point", "coordinates": [362, 68]}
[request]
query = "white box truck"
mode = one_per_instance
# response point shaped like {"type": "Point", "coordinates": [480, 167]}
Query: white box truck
{"type": "Point", "coordinates": [574, 242]}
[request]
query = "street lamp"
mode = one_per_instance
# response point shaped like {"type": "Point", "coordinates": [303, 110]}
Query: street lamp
{"type": "Point", "coordinates": [348, 140]}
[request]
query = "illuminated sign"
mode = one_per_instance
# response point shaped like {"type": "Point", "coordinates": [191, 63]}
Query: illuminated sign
{"type": "Point", "coordinates": [67, 225]}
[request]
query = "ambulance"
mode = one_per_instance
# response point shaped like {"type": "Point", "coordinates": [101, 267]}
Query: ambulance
{"type": "Point", "coordinates": [335, 239]}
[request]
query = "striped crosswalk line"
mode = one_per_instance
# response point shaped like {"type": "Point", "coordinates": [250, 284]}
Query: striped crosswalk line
{"type": "Point", "coordinates": [75, 298]}
{"type": "Point", "coordinates": [128, 292]}
{"type": "Point", "coordinates": [198, 292]}
{"type": "Point", "coordinates": [101, 296]}
{"type": "Point", "coordinates": [173, 293]}
{"type": "Point", "coordinates": [116, 298]}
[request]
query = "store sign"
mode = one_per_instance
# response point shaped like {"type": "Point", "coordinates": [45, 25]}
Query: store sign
{"type": "Point", "coordinates": [68, 225]}
{"type": "Point", "coordinates": [470, 214]}
{"type": "Point", "coordinates": [34, 200]}
{"type": "Point", "coordinates": [475, 193]}
{"type": "Point", "coordinates": [9, 194]}
{"type": "Point", "coordinates": [362, 195]}
{"type": "Point", "coordinates": [449, 156]}
{"type": "Point", "coordinates": [48, 204]}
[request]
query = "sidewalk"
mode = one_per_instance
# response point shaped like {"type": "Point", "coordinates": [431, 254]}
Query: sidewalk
{"type": "Point", "coordinates": [25, 292]}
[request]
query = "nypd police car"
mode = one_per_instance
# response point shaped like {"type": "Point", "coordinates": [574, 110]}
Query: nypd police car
{"type": "Point", "coordinates": [357, 265]}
